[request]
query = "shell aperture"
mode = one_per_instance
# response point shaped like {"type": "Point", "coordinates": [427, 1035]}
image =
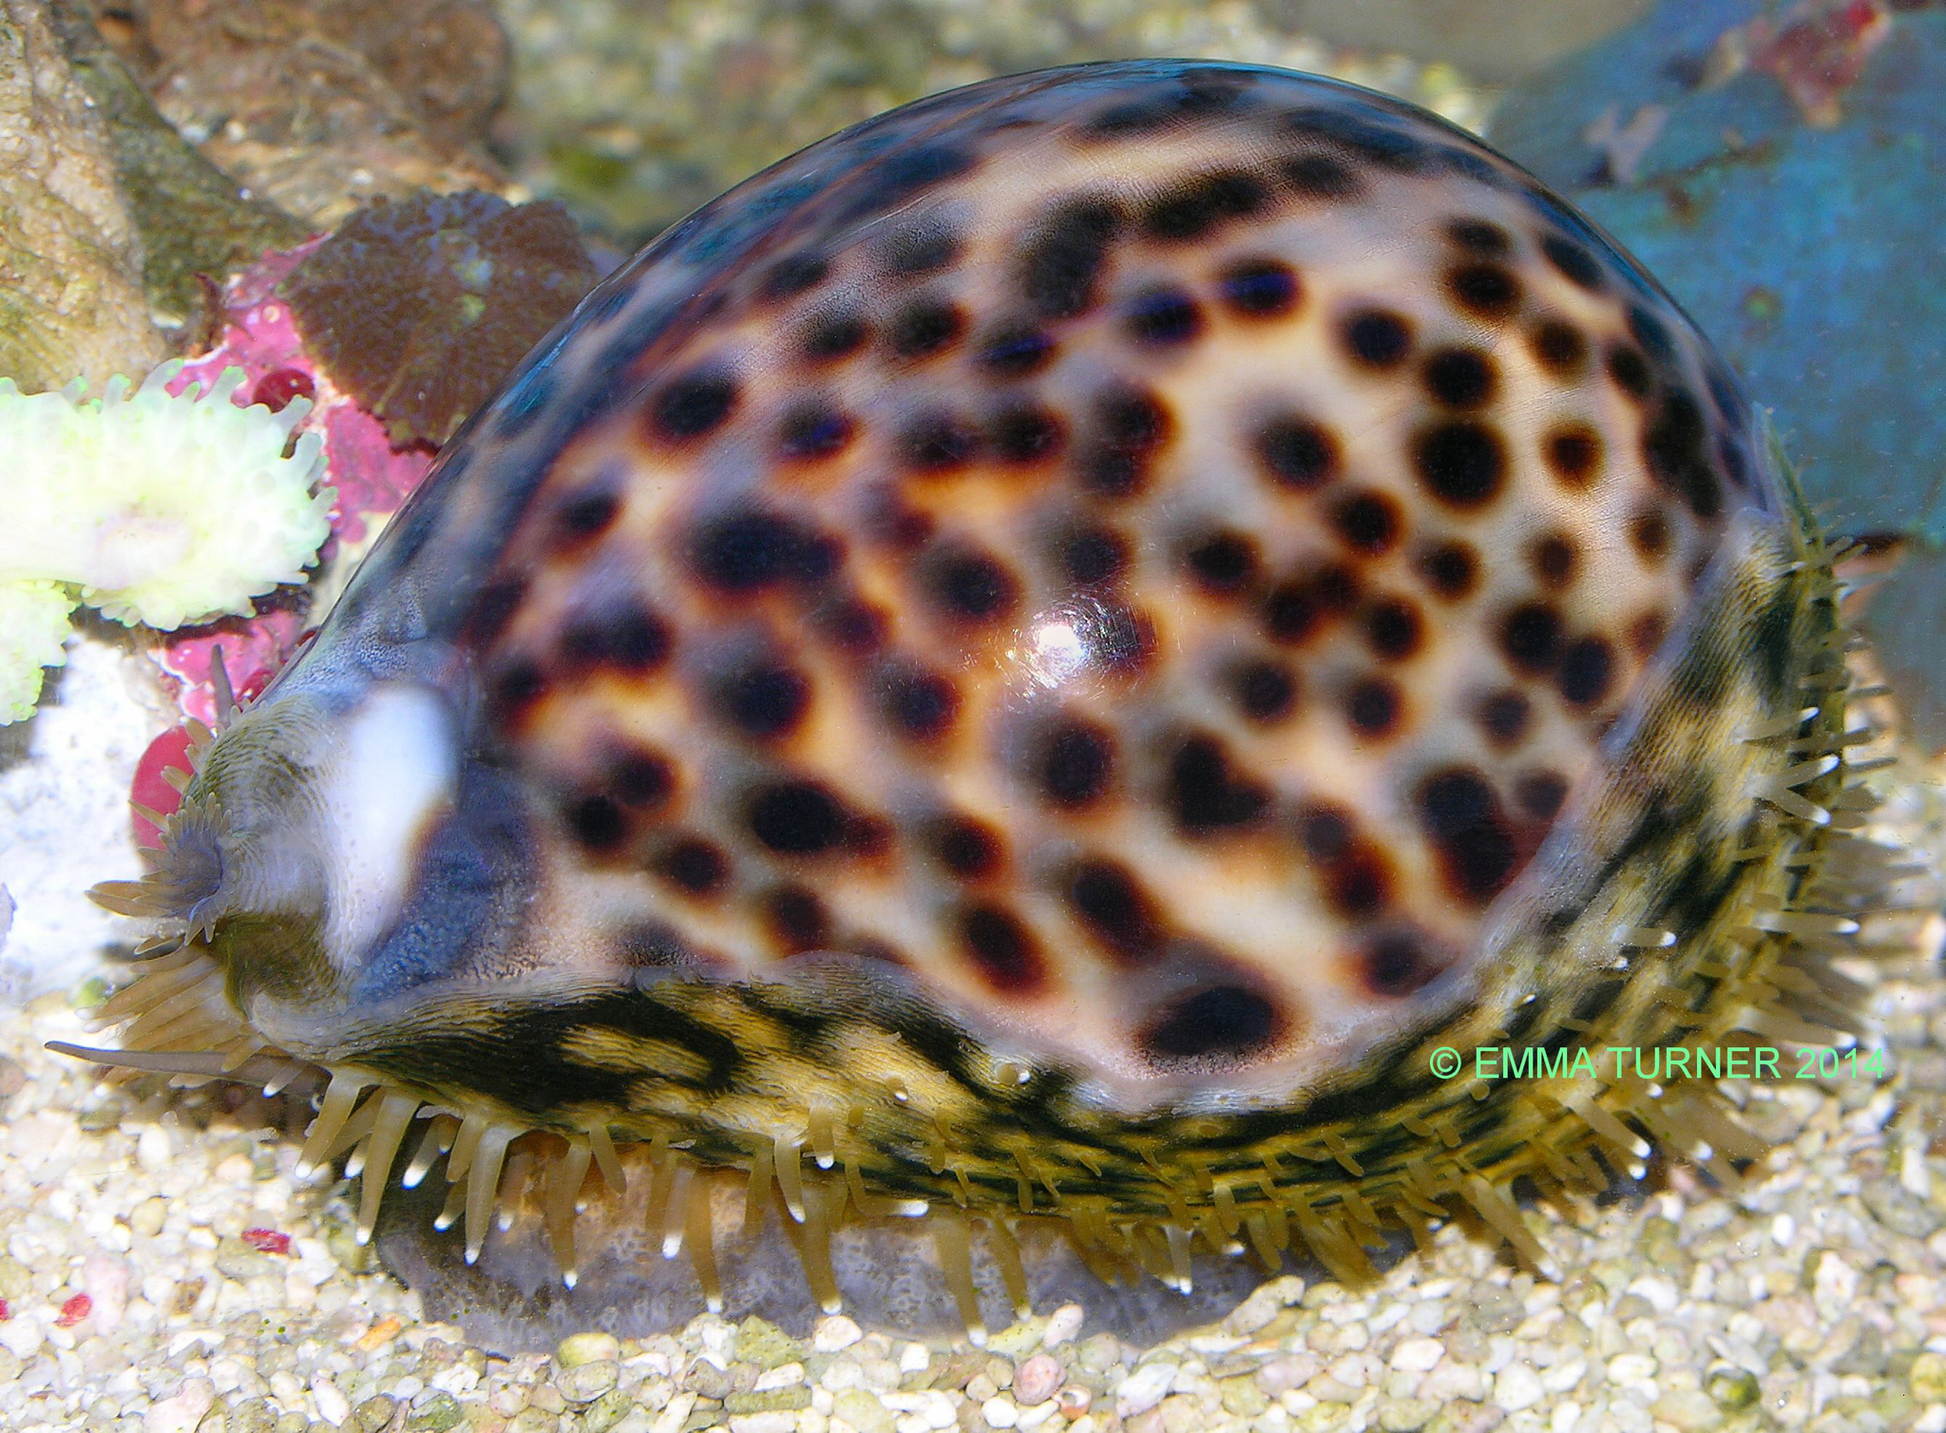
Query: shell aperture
{"type": "Point", "coordinates": [1035, 660]}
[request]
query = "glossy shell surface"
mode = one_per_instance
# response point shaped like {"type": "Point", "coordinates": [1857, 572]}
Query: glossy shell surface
{"type": "Point", "coordinates": [1035, 659]}
{"type": "Point", "coordinates": [1145, 551]}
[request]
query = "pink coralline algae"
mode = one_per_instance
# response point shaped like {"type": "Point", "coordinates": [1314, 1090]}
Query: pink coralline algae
{"type": "Point", "coordinates": [371, 477]}
{"type": "Point", "coordinates": [1817, 51]}
{"type": "Point", "coordinates": [394, 328]}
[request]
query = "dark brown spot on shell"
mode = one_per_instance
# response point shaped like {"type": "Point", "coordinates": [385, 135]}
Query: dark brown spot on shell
{"type": "Point", "coordinates": [1555, 559]}
{"type": "Point", "coordinates": [1192, 210]}
{"type": "Point", "coordinates": [1297, 451]}
{"type": "Point", "coordinates": [797, 818]}
{"type": "Point", "coordinates": [920, 248]}
{"type": "Point", "coordinates": [1076, 763]}
{"type": "Point", "coordinates": [1223, 563]}
{"type": "Point", "coordinates": [693, 405]}
{"type": "Point", "coordinates": [1394, 630]}
{"type": "Point", "coordinates": [586, 515]}
{"type": "Point", "coordinates": [1298, 608]}
{"type": "Point", "coordinates": [1358, 885]}
{"type": "Point", "coordinates": [854, 625]}
{"type": "Point", "coordinates": [763, 698]}
{"type": "Point", "coordinates": [794, 274]}
{"type": "Point", "coordinates": [1397, 963]}
{"type": "Point", "coordinates": [967, 848]}
{"type": "Point", "coordinates": [1629, 370]}
{"type": "Point", "coordinates": [1061, 263]}
{"type": "Point", "coordinates": [1374, 706]}
{"type": "Point", "coordinates": [641, 778]}
{"type": "Point", "coordinates": [1259, 288]}
{"type": "Point", "coordinates": [514, 686]}
{"type": "Point", "coordinates": [1573, 262]}
{"type": "Point", "coordinates": [1372, 522]}
{"type": "Point", "coordinates": [1016, 351]}
{"type": "Point", "coordinates": [1319, 176]}
{"type": "Point", "coordinates": [833, 336]}
{"type": "Point", "coordinates": [1540, 794]}
{"type": "Point", "coordinates": [699, 867]}
{"type": "Point", "coordinates": [1530, 637]}
{"type": "Point", "coordinates": [1265, 691]}
{"type": "Point", "coordinates": [1206, 793]}
{"type": "Point", "coordinates": [1573, 454]}
{"type": "Point", "coordinates": [938, 442]}
{"type": "Point", "coordinates": [597, 822]}
{"type": "Point", "coordinates": [797, 920]}
{"type": "Point", "coordinates": [1023, 433]}
{"type": "Point", "coordinates": [1506, 716]}
{"type": "Point", "coordinates": [1646, 633]}
{"type": "Point", "coordinates": [1461, 463]}
{"type": "Point", "coordinates": [919, 703]}
{"type": "Point", "coordinates": [1093, 555]}
{"type": "Point", "coordinates": [1130, 425]}
{"type": "Point", "coordinates": [813, 429]}
{"type": "Point", "coordinates": [1487, 290]}
{"type": "Point", "coordinates": [747, 551]}
{"type": "Point", "coordinates": [1559, 347]}
{"type": "Point", "coordinates": [1648, 534]}
{"type": "Point", "coordinates": [625, 635]}
{"type": "Point", "coordinates": [969, 585]}
{"type": "Point", "coordinates": [1479, 236]}
{"type": "Point", "coordinates": [1469, 834]}
{"type": "Point", "coordinates": [925, 327]}
{"type": "Point", "coordinates": [1586, 670]}
{"type": "Point", "coordinates": [1673, 446]}
{"type": "Point", "coordinates": [1112, 906]}
{"type": "Point", "coordinates": [1451, 569]}
{"type": "Point", "coordinates": [1460, 377]}
{"type": "Point", "coordinates": [1003, 950]}
{"type": "Point", "coordinates": [1224, 1024]}
{"type": "Point", "coordinates": [1163, 318]}
{"type": "Point", "coordinates": [1377, 338]}
{"type": "Point", "coordinates": [1326, 831]}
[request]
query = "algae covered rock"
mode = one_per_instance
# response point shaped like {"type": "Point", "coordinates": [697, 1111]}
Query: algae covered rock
{"type": "Point", "coordinates": [1780, 171]}
{"type": "Point", "coordinates": [71, 299]}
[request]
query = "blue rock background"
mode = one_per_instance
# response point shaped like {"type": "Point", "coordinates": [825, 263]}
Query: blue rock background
{"type": "Point", "coordinates": [1815, 257]}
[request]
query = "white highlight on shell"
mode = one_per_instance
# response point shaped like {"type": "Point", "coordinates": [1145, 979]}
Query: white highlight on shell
{"type": "Point", "coordinates": [394, 772]}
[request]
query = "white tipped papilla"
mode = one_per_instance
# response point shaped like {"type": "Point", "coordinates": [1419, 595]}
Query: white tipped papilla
{"type": "Point", "coordinates": [1504, 1218]}
{"type": "Point", "coordinates": [814, 1242]}
{"type": "Point", "coordinates": [607, 1160]}
{"type": "Point", "coordinates": [483, 1183]}
{"type": "Point", "coordinates": [700, 1237]}
{"type": "Point", "coordinates": [1013, 1273]}
{"type": "Point", "coordinates": [790, 1175]}
{"type": "Point", "coordinates": [675, 1215]}
{"type": "Point", "coordinates": [1609, 1130]}
{"type": "Point", "coordinates": [339, 1098]}
{"type": "Point", "coordinates": [953, 1238]}
{"type": "Point", "coordinates": [1177, 1238]}
{"type": "Point", "coordinates": [819, 1137]}
{"type": "Point", "coordinates": [565, 1176]}
{"type": "Point", "coordinates": [472, 1129]}
{"type": "Point", "coordinates": [519, 1169]}
{"type": "Point", "coordinates": [438, 1138]}
{"type": "Point", "coordinates": [380, 1149]}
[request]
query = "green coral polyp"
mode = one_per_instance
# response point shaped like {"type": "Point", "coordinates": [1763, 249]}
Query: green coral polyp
{"type": "Point", "coordinates": [156, 509]}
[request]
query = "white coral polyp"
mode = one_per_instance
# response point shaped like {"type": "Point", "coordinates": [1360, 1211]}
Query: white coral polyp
{"type": "Point", "coordinates": [162, 510]}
